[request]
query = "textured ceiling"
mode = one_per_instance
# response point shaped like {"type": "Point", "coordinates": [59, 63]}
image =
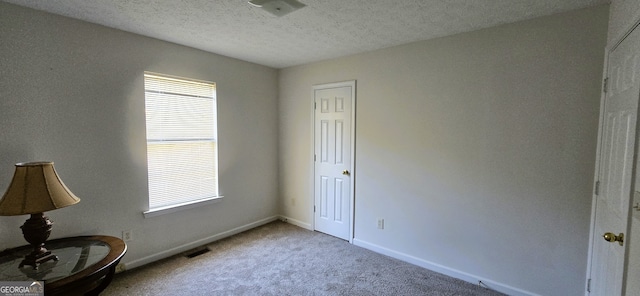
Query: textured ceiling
{"type": "Point", "coordinates": [324, 29]}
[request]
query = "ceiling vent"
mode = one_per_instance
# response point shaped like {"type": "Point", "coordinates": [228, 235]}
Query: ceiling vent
{"type": "Point", "coordinates": [278, 7]}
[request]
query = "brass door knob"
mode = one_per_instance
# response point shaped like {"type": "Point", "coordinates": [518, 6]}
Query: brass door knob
{"type": "Point", "coordinates": [345, 172]}
{"type": "Point", "coordinates": [610, 237]}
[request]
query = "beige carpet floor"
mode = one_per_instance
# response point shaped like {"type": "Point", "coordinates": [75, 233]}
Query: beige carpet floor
{"type": "Point", "coordinates": [281, 259]}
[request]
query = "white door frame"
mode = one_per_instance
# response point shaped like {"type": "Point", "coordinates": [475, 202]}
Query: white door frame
{"type": "Point", "coordinates": [352, 188]}
{"type": "Point", "coordinates": [594, 197]}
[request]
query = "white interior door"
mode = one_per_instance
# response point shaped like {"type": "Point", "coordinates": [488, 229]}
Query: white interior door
{"type": "Point", "coordinates": [616, 165]}
{"type": "Point", "coordinates": [333, 176]}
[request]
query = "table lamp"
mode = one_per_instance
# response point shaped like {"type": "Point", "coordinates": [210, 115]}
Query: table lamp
{"type": "Point", "coordinates": [35, 189]}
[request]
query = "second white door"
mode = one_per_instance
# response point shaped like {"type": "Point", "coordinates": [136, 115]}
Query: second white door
{"type": "Point", "coordinates": [616, 159]}
{"type": "Point", "coordinates": [333, 158]}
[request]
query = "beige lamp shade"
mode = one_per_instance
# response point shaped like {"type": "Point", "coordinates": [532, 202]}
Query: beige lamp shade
{"type": "Point", "coordinates": [35, 188]}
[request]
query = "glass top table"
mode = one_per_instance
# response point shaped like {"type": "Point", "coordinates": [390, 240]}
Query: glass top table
{"type": "Point", "coordinates": [85, 263]}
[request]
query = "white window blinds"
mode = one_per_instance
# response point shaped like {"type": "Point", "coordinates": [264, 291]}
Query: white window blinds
{"type": "Point", "coordinates": [181, 140]}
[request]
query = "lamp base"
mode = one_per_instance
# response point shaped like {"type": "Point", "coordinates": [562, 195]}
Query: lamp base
{"type": "Point", "coordinates": [36, 259]}
{"type": "Point", "coordinates": [36, 231]}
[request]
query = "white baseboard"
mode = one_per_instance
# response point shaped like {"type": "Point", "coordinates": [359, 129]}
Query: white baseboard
{"type": "Point", "coordinates": [296, 222]}
{"type": "Point", "coordinates": [194, 244]}
{"type": "Point", "coordinates": [444, 270]}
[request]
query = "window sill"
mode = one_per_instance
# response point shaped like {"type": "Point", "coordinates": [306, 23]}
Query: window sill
{"type": "Point", "coordinates": [181, 207]}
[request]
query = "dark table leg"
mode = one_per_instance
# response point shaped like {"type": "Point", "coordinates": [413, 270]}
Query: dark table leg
{"type": "Point", "coordinates": [104, 283]}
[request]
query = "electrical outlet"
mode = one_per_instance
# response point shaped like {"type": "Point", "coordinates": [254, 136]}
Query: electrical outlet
{"type": "Point", "coordinates": [127, 235]}
{"type": "Point", "coordinates": [380, 223]}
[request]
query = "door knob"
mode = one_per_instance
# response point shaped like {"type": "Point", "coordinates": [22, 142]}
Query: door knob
{"type": "Point", "coordinates": [345, 172]}
{"type": "Point", "coordinates": [610, 237]}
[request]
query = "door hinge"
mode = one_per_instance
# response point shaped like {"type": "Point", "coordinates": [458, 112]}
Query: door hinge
{"type": "Point", "coordinates": [314, 208]}
{"type": "Point", "coordinates": [314, 105]}
{"type": "Point", "coordinates": [597, 190]}
{"type": "Point", "coordinates": [605, 85]}
{"type": "Point", "coordinates": [589, 285]}
{"type": "Point", "coordinates": [314, 157]}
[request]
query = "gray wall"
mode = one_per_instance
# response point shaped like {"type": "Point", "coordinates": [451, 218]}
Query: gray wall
{"type": "Point", "coordinates": [477, 149]}
{"type": "Point", "coordinates": [623, 15]}
{"type": "Point", "coordinates": [72, 92]}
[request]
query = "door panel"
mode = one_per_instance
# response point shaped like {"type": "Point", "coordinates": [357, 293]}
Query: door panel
{"type": "Point", "coordinates": [332, 166]}
{"type": "Point", "coordinates": [616, 163]}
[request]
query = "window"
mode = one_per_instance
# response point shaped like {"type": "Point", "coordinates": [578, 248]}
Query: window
{"type": "Point", "coordinates": [181, 141]}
